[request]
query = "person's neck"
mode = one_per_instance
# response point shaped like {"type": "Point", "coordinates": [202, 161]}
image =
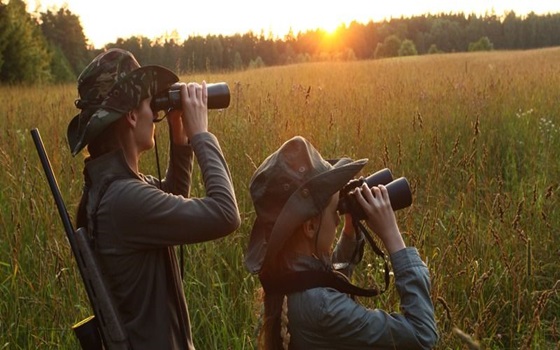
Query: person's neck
{"type": "Point", "coordinates": [132, 158]}
{"type": "Point", "coordinates": [302, 245]}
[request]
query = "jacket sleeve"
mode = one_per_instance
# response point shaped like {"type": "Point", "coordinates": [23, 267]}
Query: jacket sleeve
{"type": "Point", "coordinates": [344, 321]}
{"type": "Point", "coordinates": [152, 218]}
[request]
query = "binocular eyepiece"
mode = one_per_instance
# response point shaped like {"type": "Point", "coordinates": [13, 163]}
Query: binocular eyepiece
{"type": "Point", "coordinates": [399, 193]}
{"type": "Point", "coordinates": [218, 98]}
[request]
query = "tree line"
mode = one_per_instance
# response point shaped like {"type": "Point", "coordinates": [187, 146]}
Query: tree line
{"type": "Point", "coordinates": [50, 47]}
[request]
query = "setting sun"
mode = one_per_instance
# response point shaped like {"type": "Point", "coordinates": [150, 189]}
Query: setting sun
{"type": "Point", "coordinates": [167, 122]}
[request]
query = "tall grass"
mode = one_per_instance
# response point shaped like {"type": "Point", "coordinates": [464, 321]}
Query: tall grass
{"type": "Point", "coordinates": [475, 134]}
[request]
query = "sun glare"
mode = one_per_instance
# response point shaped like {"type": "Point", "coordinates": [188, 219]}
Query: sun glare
{"type": "Point", "coordinates": [330, 28]}
{"type": "Point", "coordinates": [228, 17]}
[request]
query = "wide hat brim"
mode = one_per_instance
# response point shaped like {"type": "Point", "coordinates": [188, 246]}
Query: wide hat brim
{"type": "Point", "coordinates": [306, 202]}
{"type": "Point", "coordinates": [125, 95]}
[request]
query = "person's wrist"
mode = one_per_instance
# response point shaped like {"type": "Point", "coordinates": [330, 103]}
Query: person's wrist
{"type": "Point", "coordinates": [394, 242]}
{"type": "Point", "coordinates": [179, 138]}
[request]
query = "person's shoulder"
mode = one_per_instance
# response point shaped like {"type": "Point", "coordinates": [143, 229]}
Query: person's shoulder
{"type": "Point", "coordinates": [321, 307]}
{"type": "Point", "coordinates": [319, 301]}
{"type": "Point", "coordinates": [130, 190]}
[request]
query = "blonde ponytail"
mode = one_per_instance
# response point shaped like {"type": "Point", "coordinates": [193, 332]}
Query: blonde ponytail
{"type": "Point", "coordinates": [284, 333]}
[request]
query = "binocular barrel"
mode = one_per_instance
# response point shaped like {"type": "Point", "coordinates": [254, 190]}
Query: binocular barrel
{"type": "Point", "coordinates": [399, 193]}
{"type": "Point", "coordinates": [218, 98]}
{"type": "Point", "coordinates": [398, 190]}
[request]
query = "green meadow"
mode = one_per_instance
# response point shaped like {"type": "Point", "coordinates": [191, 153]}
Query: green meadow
{"type": "Point", "coordinates": [476, 134]}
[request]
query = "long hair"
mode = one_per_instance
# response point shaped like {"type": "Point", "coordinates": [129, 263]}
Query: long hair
{"type": "Point", "coordinates": [274, 334]}
{"type": "Point", "coordinates": [106, 142]}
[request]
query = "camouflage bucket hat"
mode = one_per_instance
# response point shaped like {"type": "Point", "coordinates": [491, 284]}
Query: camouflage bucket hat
{"type": "Point", "coordinates": [110, 86]}
{"type": "Point", "coordinates": [291, 186]}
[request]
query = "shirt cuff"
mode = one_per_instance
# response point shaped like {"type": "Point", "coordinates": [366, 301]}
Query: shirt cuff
{"type": "Point", "coordinates": [406, 258]}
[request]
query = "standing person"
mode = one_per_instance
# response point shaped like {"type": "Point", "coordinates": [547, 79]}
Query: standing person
{"type": "Point", "coordinates": [295, 193]}
{"type": "Point", "coordinates": [135, 220]}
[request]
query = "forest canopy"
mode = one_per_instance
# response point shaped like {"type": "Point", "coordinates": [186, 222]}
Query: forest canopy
{"type": "Point", "coordinates": [50, 47]}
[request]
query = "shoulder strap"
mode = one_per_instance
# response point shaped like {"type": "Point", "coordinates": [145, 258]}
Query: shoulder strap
{"type": "Point", "coordinates": [292, 282]}
{"type": "Point", "coordinates": [93, 217]}
{"type": "Point", "coordinates": [302, 280]}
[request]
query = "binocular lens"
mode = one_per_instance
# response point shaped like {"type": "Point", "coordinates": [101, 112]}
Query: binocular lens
{"type": "Point", "coordinates": [218, 98]}
{"type": "Point", "coordinates": [399, 193]}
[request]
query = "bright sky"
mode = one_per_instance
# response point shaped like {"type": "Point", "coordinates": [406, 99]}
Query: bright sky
{"type": "Point", "coordinates": [104, 21]}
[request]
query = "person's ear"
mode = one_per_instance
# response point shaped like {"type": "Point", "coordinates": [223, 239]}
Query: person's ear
{"type": "Point", "coordinates": [310, 227]}
{"type": "Point", "coordinates": [131, 118]}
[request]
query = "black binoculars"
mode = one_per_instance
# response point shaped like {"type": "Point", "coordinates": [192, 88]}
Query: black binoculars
{"type": "Point", "coordinates": [399, 193]}
{"type": "Point", "coordinates": [218, 98]}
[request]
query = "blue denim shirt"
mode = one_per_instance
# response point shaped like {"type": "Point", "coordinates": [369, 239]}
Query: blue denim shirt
{"type": "Point", "coordinates": [324, 318]}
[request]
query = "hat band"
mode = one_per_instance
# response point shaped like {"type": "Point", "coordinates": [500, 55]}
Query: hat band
{"type": "Point", "coordinates": [85, 104]}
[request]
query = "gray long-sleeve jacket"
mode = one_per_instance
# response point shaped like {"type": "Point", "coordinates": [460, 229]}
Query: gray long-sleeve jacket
{"type": "Point", "coordinates": [324, 318]}
{"type": "Point", "coordinates": [137, 224]}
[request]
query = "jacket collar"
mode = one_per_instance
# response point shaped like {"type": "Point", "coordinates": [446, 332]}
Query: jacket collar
{"type": "Point", "coordinates": [298, 262]}
{"type": "Point", "coordinates": [109, 166]}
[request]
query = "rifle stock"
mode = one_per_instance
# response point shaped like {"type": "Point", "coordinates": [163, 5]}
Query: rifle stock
{"type": "Point", "coordinates": [106, 323]}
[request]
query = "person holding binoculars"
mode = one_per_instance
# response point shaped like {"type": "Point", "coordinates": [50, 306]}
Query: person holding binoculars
{"type": "Point", "coordinates": [135, 220]}
{"type": "Point", "coordinates": [296, 195]}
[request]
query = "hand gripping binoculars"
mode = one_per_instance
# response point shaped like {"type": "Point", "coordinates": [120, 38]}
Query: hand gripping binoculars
{"type": "Point", "coordinates": [398, 189]}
